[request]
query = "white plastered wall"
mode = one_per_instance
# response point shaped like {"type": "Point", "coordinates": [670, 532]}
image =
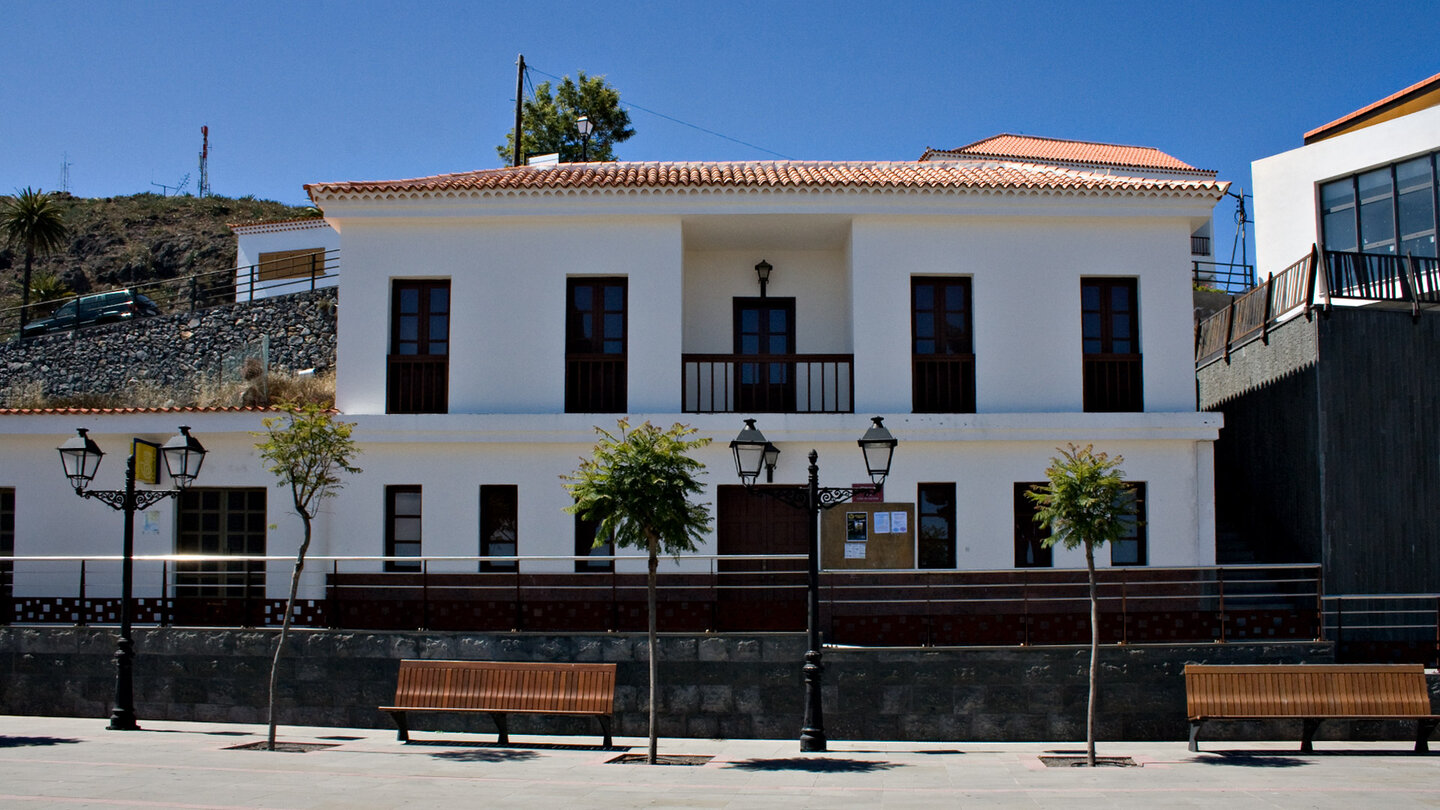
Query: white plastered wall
{"type": "Point", "coordinates": [252, 241]}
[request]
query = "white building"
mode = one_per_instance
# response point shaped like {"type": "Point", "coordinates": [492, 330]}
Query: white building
{"type": "Point", "coordinates": [991, 306]}
{"type": "Point", "coordinates": [276, 257]}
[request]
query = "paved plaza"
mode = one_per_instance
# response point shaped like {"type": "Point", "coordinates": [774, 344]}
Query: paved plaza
{"type": "Point", "coordinates": [76, 763]}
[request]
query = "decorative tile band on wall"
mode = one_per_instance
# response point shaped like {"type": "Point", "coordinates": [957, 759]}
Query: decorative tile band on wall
{"type": "Point", "coordinates": [731, 685]}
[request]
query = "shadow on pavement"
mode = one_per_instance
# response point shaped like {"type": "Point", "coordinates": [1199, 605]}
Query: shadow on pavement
{"type": "Point", "coordinates": [812, 765]}
{"type": "Point", "coordinates": [1250, 759]}
{"type": "Point", "coordinates": [515, 746]}
{"type": "Point", "coordinates": [25, 742]}
{"type": "Point", "coordinates": [486, 755]}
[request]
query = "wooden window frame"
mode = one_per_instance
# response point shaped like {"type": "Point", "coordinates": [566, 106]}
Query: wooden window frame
{"type": "Point", "coordinates": [947, 514]}
{"type": "Point", "coordinates": [1114, 382]}
{"type": "Point", "coordinates": [418, 381]}
{"type": "Point", "coordinates": [596, 381]}
{"type": "Point", "coordinates": [1142, 557]}
{"type": "Point", "coordinates": [942, 385]}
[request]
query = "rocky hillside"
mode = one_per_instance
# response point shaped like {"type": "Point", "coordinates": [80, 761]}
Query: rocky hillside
{"type": "Point", "coordinates": [116, 241]}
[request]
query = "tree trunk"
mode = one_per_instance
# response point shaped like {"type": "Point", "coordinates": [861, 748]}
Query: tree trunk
{"type": "Point", "coordinates": [285, 628]}
{"type": "Point", "coordinates": [654, 650]}
{"type": "Point", "coordinates": [1094, 657]}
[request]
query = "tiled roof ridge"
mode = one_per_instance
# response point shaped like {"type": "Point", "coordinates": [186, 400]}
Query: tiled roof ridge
{"type": "Point", "coordinates": [292, 221]}
{"type": "Point", "coordinates": [1422, 85]}
{"type": "Point", "coordinates": [1157, 158]}
{"type": "Point", "coordinates": [963, 173]}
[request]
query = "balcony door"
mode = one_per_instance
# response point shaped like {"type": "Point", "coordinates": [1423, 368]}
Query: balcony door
{"type": "Point", "coordinates": [765, 330]}
{"type": "Point", "coordinates": [419, 362]}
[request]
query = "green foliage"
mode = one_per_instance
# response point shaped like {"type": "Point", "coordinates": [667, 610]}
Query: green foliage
{"type": "Point", "coordinates": [32, 220]}
{"type": "Point", "coordinates": [1086, 501]}
{"type": "Point", "coordinates": [549, 121]}
{"type": "Point", "coordinates": [638, 486]}
{"type": "Point", "coordinates": [308, 449]}
{"type": "Point", "coordinates": [47, 286]}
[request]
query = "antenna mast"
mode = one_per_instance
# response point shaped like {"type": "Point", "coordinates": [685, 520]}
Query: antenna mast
{"type": "Point", "coordinates": [65, 173]}
{"type": "Point", "coordinates": [204, 190]}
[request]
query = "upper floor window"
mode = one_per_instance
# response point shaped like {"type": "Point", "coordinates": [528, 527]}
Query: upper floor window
{"type": "Point", "coordinates": [942, 346]}
{"type": "Point", "coordinates": [1110, 324]}
{"type": "Point", "coordinates": [595, 344]}
{"type": "Point", "coordinates": [499, 520]}
{"type": "Point", "coordinates": [1387, 210]}
{"type": "Point", "coordinates": [402, 526]}
{"type": "Point", "coordinates": [418, 379]}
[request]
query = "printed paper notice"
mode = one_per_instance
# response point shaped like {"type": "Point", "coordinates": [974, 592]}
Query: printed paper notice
{"type": "Point", "coordinates": [898, 522]}
{"type": "Point", "coordinates": [856, 527]}
{"type": "Point", "coordinates": [854, 551]}
{"type": "Point", "coordinates": [882, 522]}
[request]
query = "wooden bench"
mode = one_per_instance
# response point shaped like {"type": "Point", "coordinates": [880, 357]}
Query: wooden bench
{"type": "Point", "coordinates": [501, 688]}
{"type": "Point", "coordinates": [1310, 693]}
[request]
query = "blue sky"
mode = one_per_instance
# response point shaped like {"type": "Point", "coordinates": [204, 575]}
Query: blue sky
{"type": "Point", "coordinates": [305, 91]}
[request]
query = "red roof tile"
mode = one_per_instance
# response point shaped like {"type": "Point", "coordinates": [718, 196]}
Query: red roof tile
{"type": "Point", "coordinates": [1029, 147]}
{"type": "Point", "coordinates": [292, 221]}
{"type": "Point", "coordinates": [67, 411]}
{"type": "Point", "coordinates": [1423, 86]}
{"type": "Point", "coordinates": [928, 175]}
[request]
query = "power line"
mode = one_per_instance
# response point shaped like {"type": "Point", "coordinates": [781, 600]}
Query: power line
{"type": "Point", "coordinates": [631, 104]}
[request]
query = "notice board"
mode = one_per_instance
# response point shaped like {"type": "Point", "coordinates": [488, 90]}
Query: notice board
{"type": "Point", "coordinates": [868, 536]}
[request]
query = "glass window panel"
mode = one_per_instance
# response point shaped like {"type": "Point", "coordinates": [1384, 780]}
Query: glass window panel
{"type": "Point", "coordinates": [925, 346]}
{"type": "Point", "coordinates": [778, 344]}
{"type": "Point", "coordinates": [1090, 297]}
{"type": "Point", "coordinates": [409, 328]}
{"type": "Point", "coordinates": [1120, 329]}
{"type": "Point", "coordinates": [924, 296]}
{"type": "Point", "coordinates": [1092, 346]}
{"type": "Point", "coordinates": [587, 326]}
{"type": "Point", "coordinates": [1118, 346]}
{"type": "Point", "coordinates": [1120, 298]}
{"type": "Point", "coordinates": [439, 299]}
{"type": "Point", "coordinates": [955, 321]}
{"type": "Point", "coordinates": [924, 325]}
{"type": "Point", "coordinates": [582, 296]}
{"type": "Point", "coordinates": [439, 327]}
{"type": "Point", "coordinates": [777, 320]}
{"type": "Point", "coordinates": [1340, 230]}
{"type": "Point", "coordinates": [1091, 325]}
{"type": "Point", "coordinates": [614, 326]}
{"type": "Point", "coordinates": [749, 344]}
{"type": "Point", "coordinates": [407, 503]}
{"type": "Point", "coordinates": [1377, 226]}
{"type": "Point", "coordinates": [1419, 246]}
{"type": "Point", "coordinates": [954, 296]}
{"type": "Point", "coordinates": [614, 298]}
{"type": "Point", "coordinates": [1374, 185]}
{"type": "Point", "coordinates": [1338, 193]}
{"type": "Point", "coordinates": [1125, 552]}
{"type": "Point", "coordinates": [1417, 212]}
{"type": "Point", "coordinates": [614, 347]}
{"type": "Point", "coordinates": [407, 530]}
{"type": "Point", "coordinates": [409, 300]}
{"type": "Point", "coordinates": [749, 320]}
{"type": "Point", "coordinates": [1413, 174]}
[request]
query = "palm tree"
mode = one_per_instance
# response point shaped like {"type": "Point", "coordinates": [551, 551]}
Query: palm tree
{"type": "Point", "coordinates": [32, 220]}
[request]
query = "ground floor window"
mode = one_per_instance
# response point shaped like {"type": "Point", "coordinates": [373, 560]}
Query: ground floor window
{"type": "Point", "coordinates": [402, 526]}
{"type": "Point", "coordinates": [586, 532]}
{"type": "Point", "coordinates": [1130, 549]}
{"type": "Point", "coordinates": [935, 504]}
{"type": "Point", "coordinates": [1030, 551]}
{"type": "Point", "coordinates": [216, 521]}
{"type": "Point", "coordinates": [499, 519]}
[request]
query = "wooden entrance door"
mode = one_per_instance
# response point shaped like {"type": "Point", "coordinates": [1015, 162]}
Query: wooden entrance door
{"type": "Point", "coordinates": [760, 594]}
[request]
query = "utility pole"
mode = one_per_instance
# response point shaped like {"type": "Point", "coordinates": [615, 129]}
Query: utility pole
{"type": "Point", "coordinates": [204, 161]}
{"type": "Point", "coordinates": [518, 153]}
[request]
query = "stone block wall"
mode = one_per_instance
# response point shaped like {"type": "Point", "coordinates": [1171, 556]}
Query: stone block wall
{"type": "Point", "coordinates": [174, 351]}
{"type": "Point", "coordinates": [728, 686]}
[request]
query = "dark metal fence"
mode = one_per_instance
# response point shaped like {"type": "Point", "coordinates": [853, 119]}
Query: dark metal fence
{"type": "Point", "coordinates": [773, 383]}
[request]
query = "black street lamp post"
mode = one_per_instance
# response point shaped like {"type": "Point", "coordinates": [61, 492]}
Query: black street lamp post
{"type": "Point", "coordinates": [752, 452]}
{"type": "Point", "coordinates": [81, 458]}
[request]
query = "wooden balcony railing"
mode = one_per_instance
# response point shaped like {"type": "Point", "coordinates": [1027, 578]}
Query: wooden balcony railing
{"type": "Point", "coordinates": [418, 383]}
{"type": "Point", "coordinates": [1113, 382]}
{"type": "Point", "coordinates": [772, 383]}
{"type": "Point", "coordinates": [943, 383]}
{"type": "Point", "coordinates": [595, 383]}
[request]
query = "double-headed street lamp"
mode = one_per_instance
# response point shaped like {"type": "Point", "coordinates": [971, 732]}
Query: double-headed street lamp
{"type": "Point", "coordinates": [752, 452]}
{"type": "Point", "coordinates": [81, 458]}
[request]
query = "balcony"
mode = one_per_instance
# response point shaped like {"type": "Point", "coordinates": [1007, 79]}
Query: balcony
{"type": "Point", "coordinates": [1199, 246]}
{"type": "Point", "coordinates": [1113, 383]}
{"type": "Point", "coordinates": [943, 384]}
{"type": "Point", "coordinates": [595, 383]}
{"type": "Point", "coordinates": [771, 383]}
{"type": "Point", "coordinates": [418, 383]}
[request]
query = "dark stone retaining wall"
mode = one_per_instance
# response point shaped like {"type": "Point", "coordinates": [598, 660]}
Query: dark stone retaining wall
{"type": "Point", "coordinates": [730, 686]}
{"type": "Point", "coordinates": [174, 350]}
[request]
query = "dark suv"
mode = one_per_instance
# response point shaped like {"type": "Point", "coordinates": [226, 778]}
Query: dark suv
{"type": "Point", "coordinates": [106, 307]}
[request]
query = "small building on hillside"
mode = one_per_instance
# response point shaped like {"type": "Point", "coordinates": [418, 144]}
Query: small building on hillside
{"type": "Point", "coordinates": [277, 257]}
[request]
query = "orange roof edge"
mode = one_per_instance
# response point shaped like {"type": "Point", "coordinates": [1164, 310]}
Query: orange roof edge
{"type": "Point", "coordinates": [1422, 86]}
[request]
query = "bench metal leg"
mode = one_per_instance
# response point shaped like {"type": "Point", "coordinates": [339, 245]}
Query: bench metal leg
{"type": "Point", "coordinates": [605, 727]}
{"type": "Point", "coordinates": [500, 724]}
{"type": "Point", "coordinates": [1423, 730]}
{"type": "Point", "coordinates": [403, 724]}
{"type": "Point", "coordinates": [1308, 727]}
{"type": "Point", "coordinates": [1195, 734]}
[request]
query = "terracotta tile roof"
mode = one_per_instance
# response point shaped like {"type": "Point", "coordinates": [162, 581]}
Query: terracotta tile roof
{"type": "Point", "coordinates": [69, 411]}
{"type": "Point", "coordinates": [777, 175]}
{"type": "Point", "coordinates": [1423, 86]}
{"type": "Point", "coordinates": [1029, 147]}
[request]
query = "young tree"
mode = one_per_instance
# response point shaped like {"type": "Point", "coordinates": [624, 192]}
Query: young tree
{"type": "Point", "coordinates": [549, 121]}
{"type": "Point", "coordinates": [32, 220]}
{"type": "Point", "coordinates": [638, 486]}
{"type": "Point", "coordinates": [307, 449]}
{"type": "Point", "coordinates": [1085, 503]}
